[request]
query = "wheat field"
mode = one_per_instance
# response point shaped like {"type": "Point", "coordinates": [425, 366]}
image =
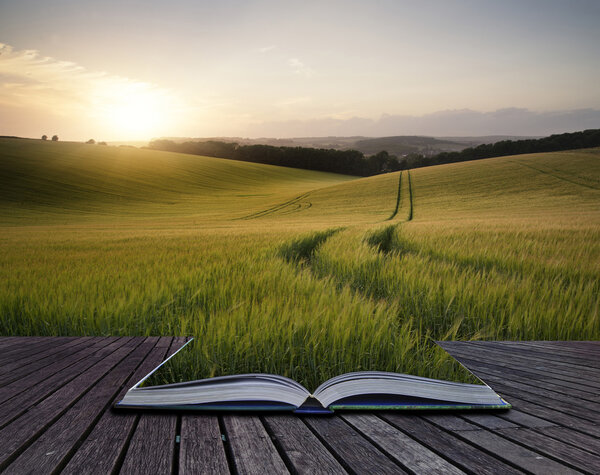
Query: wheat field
{"type": "Point", "coordinates": [294, 272]}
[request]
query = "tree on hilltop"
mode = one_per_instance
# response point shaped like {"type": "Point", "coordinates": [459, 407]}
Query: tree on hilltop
{"type": "Point", "coordinates": [91, 141]}
{"type": "Point", "coordinates": [55, 138]}
{"type": "Point", "coordinates": [44, 137]}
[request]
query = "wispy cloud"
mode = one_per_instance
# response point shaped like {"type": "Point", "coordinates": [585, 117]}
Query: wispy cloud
{"type": "Point", "coordinates": [266, 49]}
{"type": "Point", "coordinates": [29, 79]}
{"type": "Point", "coordinates": [298, 67]}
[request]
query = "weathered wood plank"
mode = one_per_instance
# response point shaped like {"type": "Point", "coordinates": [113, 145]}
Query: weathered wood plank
{"type": "Point", "coordinates": [252, 448]}
{"type": "Point", "coordinates": [523, 358]}
{"type": "Point", "coordinates": [514, 453]}
{"type": "Point", "coordinates": [590, 349]}
{"type": "Point", "coordinates": [14, 407]}
{"type": "Point", "coordinates": [559, 418]}
{"type": "Point", "coordinates": [449, 421]}
{"type": "Point", "coordinates": [491, 372]}
{"type": "Point", "coordinates": [543, 352]}
{"type": "Point", "coordinates": [20, 342]}
{"type": "Point", "coordinates": [29, 425]}
{"type": "Point", "coordinates": [519, 373]}
{"type": "Point", "coordinates": [525, 420]}
{"type": "Point", "coordinates": [487, 421]}
{"type": "Point", "coordinates": [471, 357]}
{"type": "Point", "coordinates": [153, 442]}
{"type": "Point", "coordinates": [549, 431]}
{"type": "Point", "coordinates": [410, 454]}
{"type": "Point", "coordinates": [463, 454]}
{"type": "Point", "coordinates": [159, 431]}
{"type": "Point", "coordinates": [46, 366]}
{"type": "Point", "coordinates": [52, 449]}
{"type": "Point", "coordinates": [7, 341]}
{"type": "Point", "coordinates": [102, 450]}
{"type": "Point", "coordinates": [201, 448]}
{"type": "Point", "coordinates": [552, 448]}
{"type": "Point", "coordinates": [544, 394]}
{"type": "Point", "coordinates": [568, 407]}
{"type": "Point", "coordinates": [28, 349]}
{"type": "Point", "coordinates": [357, 454]}
{"type": "Point", "coordinates": [23, 366]}
{"type": "Point", "coordinates": [569, 436]}
{"type": "Point", "coordinates": [303, 449]}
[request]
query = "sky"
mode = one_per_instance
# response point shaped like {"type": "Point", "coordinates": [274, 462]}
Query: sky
{"type": "Point", "coordinates": [133, 70]}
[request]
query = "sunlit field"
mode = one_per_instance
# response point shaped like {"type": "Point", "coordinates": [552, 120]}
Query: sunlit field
{"type": "Point", "coordinates": [294, 272]}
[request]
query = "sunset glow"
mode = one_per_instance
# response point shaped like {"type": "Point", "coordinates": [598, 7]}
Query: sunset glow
{"type": "Point", "coordinates": [115, 71]}
{"type": "Point", "coordinates": [135, 110]}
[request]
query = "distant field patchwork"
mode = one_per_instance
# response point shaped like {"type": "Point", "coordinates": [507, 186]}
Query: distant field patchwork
{"type": "Point", "coordinates": [295, 272]}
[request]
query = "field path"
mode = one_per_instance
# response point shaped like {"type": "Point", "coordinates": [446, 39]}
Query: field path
{"type": "Point", "coordinates": [297, 202]}
{"type": "Point", "coordinates": [556, 175]}
{"type": "Point", "coordinates": [410, 198]}
{"type": "Point", "coordinates": [398, 198]}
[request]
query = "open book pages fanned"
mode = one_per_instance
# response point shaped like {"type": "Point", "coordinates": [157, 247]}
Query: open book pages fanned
{"type": "Point", "coordinates": [364, 390]}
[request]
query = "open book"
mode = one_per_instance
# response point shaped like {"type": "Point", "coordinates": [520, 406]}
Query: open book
{"type": "Point", "coordinates": [365, 390]}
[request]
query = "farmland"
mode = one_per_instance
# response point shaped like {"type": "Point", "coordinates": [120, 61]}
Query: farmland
{"type": "Point", "coordinates": [296, 272]}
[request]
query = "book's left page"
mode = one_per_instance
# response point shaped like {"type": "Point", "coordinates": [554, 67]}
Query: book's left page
{"type": "Point", "coordinates": [166, 387]}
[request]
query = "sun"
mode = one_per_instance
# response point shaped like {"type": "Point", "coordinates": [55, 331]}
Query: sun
{"type": "Point", "coordinates": [134, 110]}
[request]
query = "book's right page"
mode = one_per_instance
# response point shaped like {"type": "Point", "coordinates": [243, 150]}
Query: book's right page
{"type": "Point", "coordinates": [444, 383]}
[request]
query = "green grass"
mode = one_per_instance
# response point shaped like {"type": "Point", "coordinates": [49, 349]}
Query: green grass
{"type": "Point", "coordinates": [294, 272]}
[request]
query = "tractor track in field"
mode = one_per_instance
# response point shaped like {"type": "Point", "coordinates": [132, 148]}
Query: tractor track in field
{"type": "Point", "coordinates": [555, 175]}
{"type": "Point", "coordinates": [410, 198]}
{"type": "Point", "coordinates": [297, 202]}
{"type": "Point", "coordinates": [399, 198]}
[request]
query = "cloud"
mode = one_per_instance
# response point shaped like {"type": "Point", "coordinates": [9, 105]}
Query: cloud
{"type": "Point", "coordinates": [266, 49]}
{"type": "Point", "coordinates": [29, 79]}
{"type": "Point", "coordinates": [298, 67]}
{"type": "Point", "coordinates": [463, 122]}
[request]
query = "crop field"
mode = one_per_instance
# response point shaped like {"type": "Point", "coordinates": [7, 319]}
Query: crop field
{"type": "Point", "coordinates": [294, 272]}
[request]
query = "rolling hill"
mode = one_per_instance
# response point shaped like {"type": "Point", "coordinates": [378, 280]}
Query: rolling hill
{"type": "Point", "coordinates": [295, 272]}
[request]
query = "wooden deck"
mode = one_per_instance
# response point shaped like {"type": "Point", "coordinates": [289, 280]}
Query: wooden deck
{"type": "Point", "coordinates": [56, 396]}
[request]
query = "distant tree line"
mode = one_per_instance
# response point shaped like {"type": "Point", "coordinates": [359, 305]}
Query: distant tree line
{"type": "Point", "coordinates": [349, 162]}
{"type": "Point", "coordinates": [353, 162]}
{"type": "Point", "coordinates": [553, 143]}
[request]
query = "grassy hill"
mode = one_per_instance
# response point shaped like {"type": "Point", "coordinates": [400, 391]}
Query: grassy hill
{"type": "Point", "coordinates": [46, 180]}
{"type": "Point", "coordinates": [295, 272]}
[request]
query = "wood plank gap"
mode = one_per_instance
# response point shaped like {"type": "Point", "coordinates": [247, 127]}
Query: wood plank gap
{"type": "Point", "coordinates": [202, 446]}
{"type": "Point", "coordinates": [177, 449]}
{"type": "Point", "coordinates": [305, 451]}
{"type": "Point", "coordinates": [328, 447]}
{"type": "Point", "coordinates": [226, 445]}
{"type": "Point", "coordinates": [277, 443]}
